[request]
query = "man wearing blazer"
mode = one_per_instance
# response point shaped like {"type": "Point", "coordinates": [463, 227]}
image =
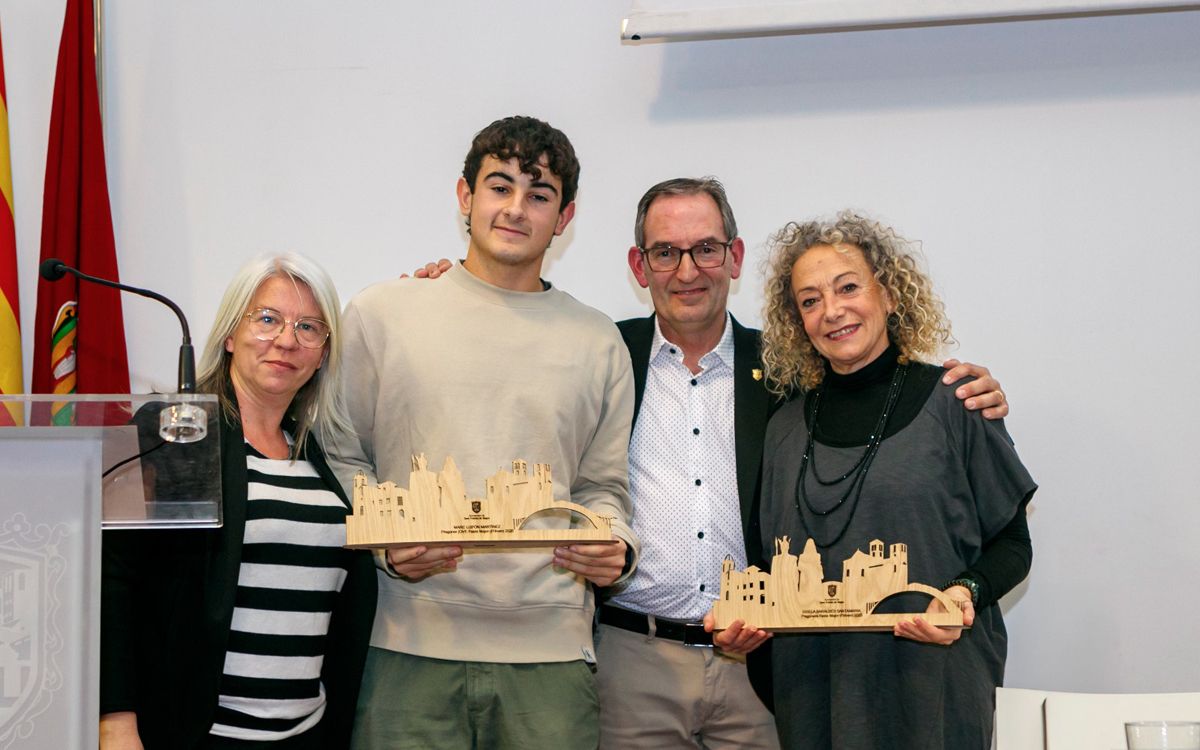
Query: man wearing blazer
{"type": "Point", "coordinates": [700, 413]}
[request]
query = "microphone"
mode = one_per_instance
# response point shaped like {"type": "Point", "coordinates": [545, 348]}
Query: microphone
{"type": "Point", "coordinates": [52, 269]}
{"type": "Point", "coordinates": [179, 423]}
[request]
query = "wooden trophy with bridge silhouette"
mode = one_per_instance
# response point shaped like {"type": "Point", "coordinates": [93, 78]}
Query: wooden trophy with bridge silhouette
{"type": "Point", "coordinates": [794, 597]}
{"type": "Point", "coordinates": [517, 510]}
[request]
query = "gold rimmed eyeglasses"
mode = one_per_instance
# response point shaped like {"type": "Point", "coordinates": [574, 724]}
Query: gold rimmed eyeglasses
{"type": "Point", "coordinates": [266, 325]}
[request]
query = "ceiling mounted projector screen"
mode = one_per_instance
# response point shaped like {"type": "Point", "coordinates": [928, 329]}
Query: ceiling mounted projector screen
{"type": "Point", "coordinates": [700, 19]}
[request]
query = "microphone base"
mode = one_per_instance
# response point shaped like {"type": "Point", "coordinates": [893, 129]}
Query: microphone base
{"type": "Point", "coordinates": [183, 423]}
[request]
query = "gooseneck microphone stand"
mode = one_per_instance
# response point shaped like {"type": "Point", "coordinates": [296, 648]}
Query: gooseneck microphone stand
{"type": "Point", "coordinates": [180, 423]}
{"type": "Point", "coordinates": [53, 269]}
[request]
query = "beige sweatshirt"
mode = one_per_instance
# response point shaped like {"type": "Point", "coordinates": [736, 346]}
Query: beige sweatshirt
{"type": "Point", "coordinates": [457, 367]}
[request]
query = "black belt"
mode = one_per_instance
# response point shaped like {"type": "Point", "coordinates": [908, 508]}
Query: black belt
{"type": "Point", "coordinates": [687, 633]}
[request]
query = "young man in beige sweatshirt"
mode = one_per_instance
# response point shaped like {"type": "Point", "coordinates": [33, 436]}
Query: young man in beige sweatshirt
{"type": "Point", "coordinates": [491, 649]}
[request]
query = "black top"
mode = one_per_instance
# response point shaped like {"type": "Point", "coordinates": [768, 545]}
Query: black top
{"type": "Point", "coordinates": [850, 407]}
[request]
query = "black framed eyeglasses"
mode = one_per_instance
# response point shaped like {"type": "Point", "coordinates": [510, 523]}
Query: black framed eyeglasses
{"type": "Point", "coordinates": [710, 254]}
{"type": "Point", "coordinates": [266, 325]}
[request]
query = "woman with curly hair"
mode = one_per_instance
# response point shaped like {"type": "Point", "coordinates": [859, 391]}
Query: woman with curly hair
{"type": "Point", "coordinates": [876, 450]}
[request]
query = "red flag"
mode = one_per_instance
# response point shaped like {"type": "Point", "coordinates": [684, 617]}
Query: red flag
{"type": "Point", "coordinates": [79, 332]}
{"type": "Point", "coordinates": [11, 380]}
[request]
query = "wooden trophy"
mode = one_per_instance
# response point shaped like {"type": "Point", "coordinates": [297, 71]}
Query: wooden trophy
{"type": "Point", "coordinates": [794, 598]}
{"type": "Point", "coordinates": [517, 510]}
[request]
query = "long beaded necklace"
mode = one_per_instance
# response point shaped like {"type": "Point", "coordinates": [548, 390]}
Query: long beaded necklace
{"type": "Point", "coordinates": [857, 473]}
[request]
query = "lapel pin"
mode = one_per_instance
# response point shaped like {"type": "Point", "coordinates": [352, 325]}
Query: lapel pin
{"type": "Point", "coordinates": [756, 374]}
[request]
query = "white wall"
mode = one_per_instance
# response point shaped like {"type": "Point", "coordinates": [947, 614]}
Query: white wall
{"type": "Point", "coordinates": [1049, 167]}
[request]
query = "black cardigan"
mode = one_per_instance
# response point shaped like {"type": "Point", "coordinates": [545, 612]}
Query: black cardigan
{"type": "Point", "coordinates": [167, 602]}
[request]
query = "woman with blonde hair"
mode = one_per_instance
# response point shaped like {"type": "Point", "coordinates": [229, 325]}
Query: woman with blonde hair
{"type": "Point", "coordinates": [253, 634]}
{"type": "Point", "coordinates": [874, 448]}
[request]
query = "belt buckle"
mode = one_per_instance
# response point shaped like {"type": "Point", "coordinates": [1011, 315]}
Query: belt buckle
{"type": "Point", "coordinates": [694, 635]}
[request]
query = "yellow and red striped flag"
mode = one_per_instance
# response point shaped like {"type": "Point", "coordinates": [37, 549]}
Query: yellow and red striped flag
{"type": "Point", "coordinates": [11, 380]}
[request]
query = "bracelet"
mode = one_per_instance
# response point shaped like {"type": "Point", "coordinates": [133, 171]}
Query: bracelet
{"type": "Point", "coordinates": [968, 584]}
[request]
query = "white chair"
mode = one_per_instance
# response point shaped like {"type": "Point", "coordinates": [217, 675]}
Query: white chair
{"type": "Point", "coordinates": [1096, 721]}
{"type": "Point", "coordinates": [1019, 723]}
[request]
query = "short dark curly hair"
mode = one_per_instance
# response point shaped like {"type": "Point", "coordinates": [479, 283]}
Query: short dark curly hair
{"type": "Point", "coordinates": [527, 139]}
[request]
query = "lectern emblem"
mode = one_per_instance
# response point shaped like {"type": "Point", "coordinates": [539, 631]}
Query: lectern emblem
{"type": "Point", "coordinates": [831, 590]}
{"type": "Point", "coordinates": [31, 569]}
{"type": "Point", "coordinates": [476, 506]}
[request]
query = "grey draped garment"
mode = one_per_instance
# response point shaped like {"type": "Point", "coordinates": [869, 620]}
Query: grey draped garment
{"type": "Point", "coordinates": [944, 485]}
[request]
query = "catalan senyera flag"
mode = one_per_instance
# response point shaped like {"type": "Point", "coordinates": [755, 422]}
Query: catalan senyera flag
{"type": "Point", "coordinates": [79, 332]}
{"type": "Point", "coordinates": [11, 378]}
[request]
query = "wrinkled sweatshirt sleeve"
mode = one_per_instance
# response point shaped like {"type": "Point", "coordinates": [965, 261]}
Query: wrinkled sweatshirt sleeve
{"type": "Point", "coordinates": [355, 452]}
{"type": "Point", "coordinates": [602, 483]}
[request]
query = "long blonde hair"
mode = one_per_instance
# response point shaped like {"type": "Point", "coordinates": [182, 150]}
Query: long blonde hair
{"type": "Point", "coordinates": [318, 405]}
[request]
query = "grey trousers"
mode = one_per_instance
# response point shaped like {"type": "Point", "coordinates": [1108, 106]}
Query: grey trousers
{"type": "Point", "coordinates": [658, 694]}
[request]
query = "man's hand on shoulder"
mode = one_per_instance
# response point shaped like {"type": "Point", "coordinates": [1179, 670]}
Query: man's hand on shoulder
{"type": "Point", "coordinates": [431, 270]}
{"type": "Point", "coordinates": [982, 393]}
{"type": "Point", "coordinates": [599, 563]}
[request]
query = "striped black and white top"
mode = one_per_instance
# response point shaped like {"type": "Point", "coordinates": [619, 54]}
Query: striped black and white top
{"type": "Point", "coordinates": [293, 566]}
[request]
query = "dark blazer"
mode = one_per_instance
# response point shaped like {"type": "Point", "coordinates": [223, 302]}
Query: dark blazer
{"type": "Point", "coordinates": [753, 405]}
{"type": "Point", "coordinates": [167, 601]}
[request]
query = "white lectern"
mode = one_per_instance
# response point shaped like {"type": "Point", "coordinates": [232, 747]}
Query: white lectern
{"type": "Point", "coordinates": [72, 465]}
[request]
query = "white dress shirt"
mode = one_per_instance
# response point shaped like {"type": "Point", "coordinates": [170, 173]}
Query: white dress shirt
{"type": "Point", "coordinates": [683, 481]}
